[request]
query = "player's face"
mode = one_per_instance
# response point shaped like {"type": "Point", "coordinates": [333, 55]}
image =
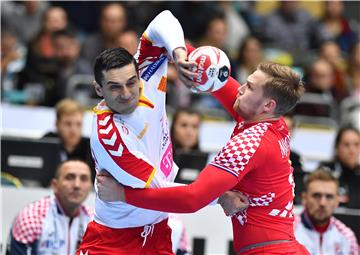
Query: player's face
{"type": "Point", "coordinates": [321, 200]}
{"type": "Point", "coordinates": [250, 99]}
{"type": "Point", "coordinates": [73, 184]}
{"type": "Point", "coordinates": [186, 130]}
{"type": "Point", "coordinates": [69, 127]}
{"type": "Point", "coordinates": [120, 89]}
{"type": "Point", "coordinates": [348, 149]}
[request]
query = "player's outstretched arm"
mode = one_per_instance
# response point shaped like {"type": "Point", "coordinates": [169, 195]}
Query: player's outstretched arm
{"type": "Point", "coordinates": [210, 184]}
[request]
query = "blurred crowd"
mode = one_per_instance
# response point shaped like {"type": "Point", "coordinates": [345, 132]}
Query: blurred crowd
{"type": "Point", "coordinates": [48, 48]}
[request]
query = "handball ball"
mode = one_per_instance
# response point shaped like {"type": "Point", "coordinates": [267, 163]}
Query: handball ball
{"type": "Point", "coordinates": [213, 68]}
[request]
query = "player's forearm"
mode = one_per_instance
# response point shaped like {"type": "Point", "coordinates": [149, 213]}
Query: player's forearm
{"type": "Point", "coordinates": [210, 184]}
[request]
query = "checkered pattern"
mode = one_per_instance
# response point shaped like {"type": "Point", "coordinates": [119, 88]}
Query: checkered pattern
{"type": "Point", "coordinates": [237, 153]}
{"type": "Point", "coordinates": [264, 200]}
{"type": "Point", "coordinates": [241, 217]}
{"type": "Point", "coordinates": [28, 224]}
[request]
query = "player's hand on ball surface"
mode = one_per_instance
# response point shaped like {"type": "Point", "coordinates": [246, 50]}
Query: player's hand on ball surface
{"type": "Point", "coordinates": [184, 67]}
{"type": "Point", "coordinates": [233, 202]}
{"type": "Point", "coordinates": [108, 189]}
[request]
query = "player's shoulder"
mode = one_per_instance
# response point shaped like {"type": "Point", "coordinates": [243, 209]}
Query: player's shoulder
{"type": "Point", "coordinates": [27, 226]}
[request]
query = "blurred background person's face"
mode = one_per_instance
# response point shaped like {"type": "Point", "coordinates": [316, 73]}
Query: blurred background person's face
{"type": "Point", "coordinates": [320, 201]}
{"type": "Point", "coordinates": [55, 20]}
{"type": "Point", "coordinates": [113, 21]}
{"type": "Point", "coordinates": [186, 130]}
{"type": "Point", "coordinates": [67, 49]}
{"type": "Point", "coordinates": [322, 75]}
{"type": "Point", "coordinates": [69, 127]}
{"type": "Point", "coordinates": [348, 149]}
{"type": "Point", "coordinates": [129, 40]}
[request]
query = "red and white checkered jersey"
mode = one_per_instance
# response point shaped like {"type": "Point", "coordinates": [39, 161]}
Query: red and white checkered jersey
{"type": "Point", "coordinates": [44, 222]}
{"type": "Point", "coordinates": [258, 155]}
{"type": "Point", "coordinates": [136, 148]}
{"type": "Point", "coordinates": [337, 238]}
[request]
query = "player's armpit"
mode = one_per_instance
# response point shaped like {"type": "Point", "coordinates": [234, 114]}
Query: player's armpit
{"type": "Point", "coordinates": [210, 184]}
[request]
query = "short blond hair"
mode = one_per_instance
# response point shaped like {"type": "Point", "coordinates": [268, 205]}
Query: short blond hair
{"type": "Point", "coordinates": [66, 107]}
{"type": "Point", "coordinates": [284, 86]}
{"type": "Point", "coordinates": [320, 174]}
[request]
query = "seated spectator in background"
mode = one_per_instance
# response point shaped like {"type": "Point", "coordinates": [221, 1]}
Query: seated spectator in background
{"type": "Point", "coordinates": [353, 73]}
{"type": "Point", "coordinates": [345, 165]}
{"type": "Point", "coordinates": [184, 131]}
{"type": "Point", "coordinates": [23, 18]}
{"type": "Point", "coordinates": [330, 51]}
{"type": "Point", "coordinates": [55, 224]}
{"type": "Point", "coordinates": [250, 56]}
{"type": "Point", "coordinates": [13, 55]}
{"type": "Point", "coordinates": [67, 51]}
{"type": "Point", "coordinates": [291, 28]}
{"type": "Point", "coordinates": [112, 24]}
{"type": "Point", "coordinates": [316, 228]}
{"type": "Point", "coordinates": [129, 40]}
{"type": "Point", "coordinates": [237, 30]}
{"type": "Point", "coordinates": [69, 120]}
{"type": "Point", "coordinates": [320, 81]}
{"type": "Point", "coordinates": [40, 72]}
{"type": "Point", "coordinates": [336, 26]}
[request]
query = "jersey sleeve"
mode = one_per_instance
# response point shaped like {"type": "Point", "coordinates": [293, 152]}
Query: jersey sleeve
{"type": "Point", "coordinates": [210, 184]}
{"type": "Point", "coordinates": [123, 160]}
{"type": "Point", "coordinates": [238, 155]}
{"type": "Point", "coordinates": [27, 227]}
{"type": "Point", "coordinates": [161, 37]}
{"type": "Point", "coordinates": [227, 96]}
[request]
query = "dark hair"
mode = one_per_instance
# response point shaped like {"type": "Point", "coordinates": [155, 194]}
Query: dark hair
{"type": "Point", "coordinates": [111, 59]}
{"type": "Point", "coordinates": [284, 86]}
{"type": "Point", "coordinates": [341, 132]}
{"type": "Point", "coordinates": [68, 32]}
{"type": "Point", "coordinates": [60, 166]}
{"type": "Point", "coordinates": [190, 111]}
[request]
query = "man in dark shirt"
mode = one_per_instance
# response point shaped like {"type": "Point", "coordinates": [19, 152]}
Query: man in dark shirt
{"type": "Point", "coordinates": [69, 119]}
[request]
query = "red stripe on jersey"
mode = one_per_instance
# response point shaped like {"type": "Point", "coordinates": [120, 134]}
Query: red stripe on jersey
{"type": "Point", "coordinates": [110, 138]}
{"type": "Point", "coordinates": [148, 52]}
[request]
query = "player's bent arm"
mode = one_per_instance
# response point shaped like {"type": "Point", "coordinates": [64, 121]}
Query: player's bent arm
{"type": "Point", "coordinates": [210, 184]}
{"type": "Point", "coordinates": [158, 32]}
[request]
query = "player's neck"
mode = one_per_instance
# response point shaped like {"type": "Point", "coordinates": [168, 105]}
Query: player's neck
{"type": "Point", "coordinates": [263, 119]}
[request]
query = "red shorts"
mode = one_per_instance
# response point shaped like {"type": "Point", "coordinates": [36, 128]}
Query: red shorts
{"type": "Point", "coordinates": [102, 240]}
{"type": "Point", "coordinates": [288, 248]}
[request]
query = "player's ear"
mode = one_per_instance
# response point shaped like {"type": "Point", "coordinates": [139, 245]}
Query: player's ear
{"type": "Point", "coordinates": [98, 89]}
{"type": "Point", "coordinates": [270, 106]}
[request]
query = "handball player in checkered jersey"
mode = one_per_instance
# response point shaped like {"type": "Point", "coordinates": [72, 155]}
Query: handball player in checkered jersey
{"type": "Point", "coordinates": [255, 161]}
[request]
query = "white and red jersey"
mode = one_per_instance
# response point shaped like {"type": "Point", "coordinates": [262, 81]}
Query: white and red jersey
{"type": "Point", "coordinates": [136, 148]}
{"type": "Point", "coordinates": [42, 227]}
{"type": "Point", "coordinates": [337, 239]}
